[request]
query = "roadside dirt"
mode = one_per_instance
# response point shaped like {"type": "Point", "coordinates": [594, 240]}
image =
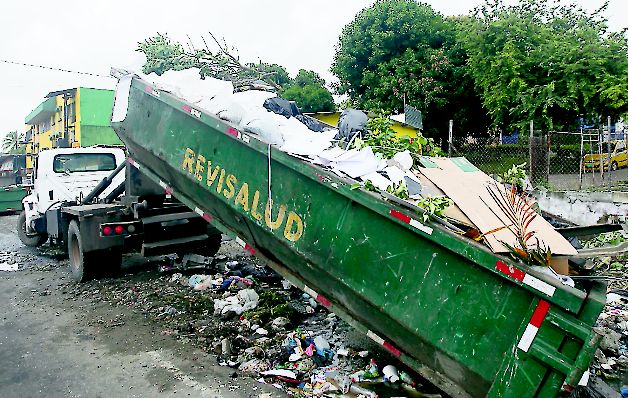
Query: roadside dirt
{"type": "Point", "coordinates": [57, 343]}
{"type": "Point", "coordinates": [148, 333]}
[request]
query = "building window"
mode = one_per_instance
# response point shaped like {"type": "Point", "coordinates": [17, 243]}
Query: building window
{"type": "Point", "coordinates": [71, 114]}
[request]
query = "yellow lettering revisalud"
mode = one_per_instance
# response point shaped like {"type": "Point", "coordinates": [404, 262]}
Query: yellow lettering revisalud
{"type": "Point", "coordinates": [227, 185]}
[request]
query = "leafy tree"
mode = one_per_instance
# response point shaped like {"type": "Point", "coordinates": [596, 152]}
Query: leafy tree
{"type": "Point", "coordinates": [163, 54]}
{"type": "Point", "coordinates": [308, 90]}
{"type": "Point", "coordinates": [307, 77]}
{"type": "Point", "coordinates": [401, 51]}
{"type": "Point", "coordinates": [277, 73]}
{"type": "Point", "coordinates": [11, 143]}
{"type": "Point", "coordinates": [547, 62]}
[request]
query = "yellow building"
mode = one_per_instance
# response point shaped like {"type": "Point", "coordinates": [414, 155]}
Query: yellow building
{"type": "Point", "coordinates": [401, 128]}
{"type": "Point", "coordinates": [70, 118]}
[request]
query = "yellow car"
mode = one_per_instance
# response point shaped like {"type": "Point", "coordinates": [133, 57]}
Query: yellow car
{"type": "Point", "coordinates": [618, 158]}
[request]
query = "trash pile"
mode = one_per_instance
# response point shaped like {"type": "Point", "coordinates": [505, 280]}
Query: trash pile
{"type": "Point", "coordinates": [258, 324]}
{"type": "Point", "coordinates": [608, 373]}
{"type": "Point", "coordinates": [477, 206]}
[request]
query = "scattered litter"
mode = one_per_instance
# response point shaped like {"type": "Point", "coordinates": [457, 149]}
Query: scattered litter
{"type": "Point", "coordinates": [8, 267]}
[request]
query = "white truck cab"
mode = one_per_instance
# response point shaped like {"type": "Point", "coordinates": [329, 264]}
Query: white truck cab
{"type": "Point", "coordinates": [88, 201]}
{"type": "Point", "coordinates": [66, 175]}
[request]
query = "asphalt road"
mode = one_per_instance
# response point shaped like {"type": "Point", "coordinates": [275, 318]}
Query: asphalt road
{"type": "Point", "coordinates": [55, 344]}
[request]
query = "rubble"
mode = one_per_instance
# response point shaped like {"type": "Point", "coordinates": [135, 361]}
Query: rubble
{"type": "Point", "coordinates": [610, 365]}
{"type": "Point", "coordinates": [264, 328]}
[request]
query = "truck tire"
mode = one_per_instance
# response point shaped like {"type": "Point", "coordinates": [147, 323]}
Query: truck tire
{"type": "Point", "coordinates": [29, 239]}
{"type": "Point", "coordinates": [85, 266]}
{"type": "Point", "coordinates": [82, 265]}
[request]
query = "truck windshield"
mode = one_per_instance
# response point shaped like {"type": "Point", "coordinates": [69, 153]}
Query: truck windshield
{"type": "Point", "coordinates": [83, 162]}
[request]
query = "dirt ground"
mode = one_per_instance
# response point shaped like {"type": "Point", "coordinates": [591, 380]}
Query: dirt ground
{"type": "Point", "coordinates": [147, 333]}
{"type": "Point", "coordinates": [56, 343]}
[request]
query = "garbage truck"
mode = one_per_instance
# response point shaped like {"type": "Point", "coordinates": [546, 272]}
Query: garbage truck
{"type": "Point", "coordinates": [87, 201]}
{"type": "Point", "coordinates": [473, 322]}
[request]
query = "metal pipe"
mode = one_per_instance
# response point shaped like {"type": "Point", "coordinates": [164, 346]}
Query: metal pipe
{"type": "Point", "coordinates": [115, 193]}
{"type": "Point", "coordinates": [104, 184]}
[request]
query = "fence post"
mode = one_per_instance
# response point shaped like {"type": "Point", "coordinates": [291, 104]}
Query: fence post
{"type": "Point", "coordinates": [451, 136]}
{"type": "Point", "coordinates": [530, 147]}
{"type": "Point", "coordinates": [581, 153]}
{"type": "Point", "coordinates": [608, 148]}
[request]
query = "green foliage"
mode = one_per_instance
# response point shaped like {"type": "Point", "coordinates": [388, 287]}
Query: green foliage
{"type": "Point", "coordinates": [306, 78]}
{"type": "Point", "coordinates": [516, 175]}
{"type": "Point", "coordinates": [308, 90]}
{"type": "Point", "coordinates": [545, 61]}
{"type": "Point", "coordinates": [276, 73]}
{"type": "Point", "coordinates": [434, 206]}
{"type": "Point", "coordinates": [382, 138]}
{"type": "Point", "coordinates": [163, 54]}
{"type": "Point", "coordinates": [401, 51]}
{"type": "Point", "coordinates": [604, 239]}
{"type": "Point", "coordinates": [11, 143]}
{"type": "Point", "coordinates": [399, 189]}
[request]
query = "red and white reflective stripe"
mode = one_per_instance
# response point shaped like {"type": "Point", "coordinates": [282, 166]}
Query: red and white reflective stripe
{"type": "Point", "coordinates": [191, 111]}
{"type": "Point", "coordinates": [133, 163]}
{"type": "Point", "coordinates": [409, 220]}
{"type": "Point", "coordinates": [245, 245]}
{"type": "Point", "coordinates": [152, 91]}
{"type": "Point", "coordinates": [166, 187]}
{"type": "Point", "coordinates": [239, 135]}
{"type": "Point", "coordinates": [389, 347]}
{"type": "Point", "coordinates": [318, 297]}
{"type": "Point", "coordinates": [533, 326]}
{"type": "Point", "coordinates": [525, 278]}
{"type": "Point", "coordinates": [206, 216]}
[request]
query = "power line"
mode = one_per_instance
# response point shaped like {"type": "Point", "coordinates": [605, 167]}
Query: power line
{"type": "Point", "coordinates": [54, 69]}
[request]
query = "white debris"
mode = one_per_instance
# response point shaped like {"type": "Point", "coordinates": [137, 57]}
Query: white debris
{"type": "Point", "coordinates": [245, 300]}
{"type": "Point", "coordinates": [8, 267]}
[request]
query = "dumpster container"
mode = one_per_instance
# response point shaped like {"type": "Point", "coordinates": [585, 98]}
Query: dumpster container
{"type": "Point", "coordinates": [11, 198]}
{"type": "Point", "coordinates": [472, 322]}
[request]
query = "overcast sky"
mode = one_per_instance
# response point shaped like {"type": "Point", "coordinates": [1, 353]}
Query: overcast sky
{"type": "Point", "coordinates": [92, 36]}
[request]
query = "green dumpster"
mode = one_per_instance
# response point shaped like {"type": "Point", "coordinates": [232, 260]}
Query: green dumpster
{"type": "Point", "coordinates": [11, 198]}
{"type": "Point", "coordinates": [472, 322]}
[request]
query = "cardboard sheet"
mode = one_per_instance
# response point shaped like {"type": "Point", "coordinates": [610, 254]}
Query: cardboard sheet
{"type": "Point", "coordinates": [468, 187]}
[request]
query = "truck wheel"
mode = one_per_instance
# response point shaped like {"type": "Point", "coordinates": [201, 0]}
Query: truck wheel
{"type": "Point", "coordinates": [29, 239]}
{"type": "Point", "coordinates": [82, 265]}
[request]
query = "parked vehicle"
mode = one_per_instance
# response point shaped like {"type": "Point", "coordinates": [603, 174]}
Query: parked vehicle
{"type": "Point", "coordinates": [473, 322]}
{"type": "Point", "coordinates": [77, 201]}
{"type": "Point", "coordinates": [618, 156]}
{"type": "Point", "coordinates": [11, 198]}
{"type": "Point", "coordinates": [11, 189]}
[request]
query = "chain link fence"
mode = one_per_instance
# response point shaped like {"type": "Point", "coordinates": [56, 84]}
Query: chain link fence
{"type": "Point", "coordinates": [557, 161]}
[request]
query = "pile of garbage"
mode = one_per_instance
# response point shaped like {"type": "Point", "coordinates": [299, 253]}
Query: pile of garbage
{"type": "Point", "coordinates": [258, 324]}
{"type": "Point", "coordinates": [475, 205]}
{"type": "Point", "coordinates": [611, 358]}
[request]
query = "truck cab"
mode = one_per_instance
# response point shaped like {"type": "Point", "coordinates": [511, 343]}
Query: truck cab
{"type": "Point", "coordinates": [89, 201]}
{"type": "Point", "coordinates": [61, 177]}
